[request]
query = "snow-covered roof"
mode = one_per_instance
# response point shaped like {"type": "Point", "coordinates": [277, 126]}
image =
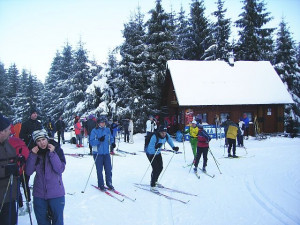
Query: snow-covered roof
{"type": "Point", "coordinates": [218, 83]}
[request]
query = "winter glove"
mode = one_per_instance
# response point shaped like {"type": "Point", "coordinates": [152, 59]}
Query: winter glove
{"type": "Point", "coordinates": [101, 139]}
{"type": "Point", "coordinates": [113, 145]}
{"type": "Point", "coordinates": [175, 149]}
{"type": "Point", "coordinates": [158, 145]}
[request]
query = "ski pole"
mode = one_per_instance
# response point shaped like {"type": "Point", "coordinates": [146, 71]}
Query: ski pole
{"type": "Point", "coordinates": [183, 139]}
{"type": "Point", "coordinates": [149, 165]}
{"type": "Point", "coordinates": [112, 161]}
{"type": "Point", "coordinates": [215, 161]}
{"type": "Point", "coordinates": [27, 197]}
{"type": "Point", "coordinates": [214, 158]}
{"type": "Point", "coordinates": [191, 166]}
{"type": "Point", "coordinates": [18, 196]}
{"type": "Point", "coordinates": [10, 198]}
{"type": "Point", "coordinates": [90, 173]}
{"type": "Point", "coordinates": [166, 168]}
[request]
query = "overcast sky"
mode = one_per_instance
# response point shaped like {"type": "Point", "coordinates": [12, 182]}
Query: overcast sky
{"type": "Point", "coordinates": [33, 30]}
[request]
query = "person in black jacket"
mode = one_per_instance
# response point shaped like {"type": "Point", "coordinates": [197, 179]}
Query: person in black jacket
{"type": "Point", "coordinates": [26, 135]}
{"type": "Point", "coordinates": [60, 128]}
{"type": "Point", "coordinates": [90, 125]}
{"type": "Point", "coordinates": [126, 130]}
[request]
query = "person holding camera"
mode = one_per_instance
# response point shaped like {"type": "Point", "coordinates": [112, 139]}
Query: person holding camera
{"type": "Point", "coordinates": [153, 152]}
{"type": "Point", "coordinates": [8, 176]}
{"type": "Point", "coordinates": [48, 161]}
{"type": "Point", "coordinates": [101, 139]}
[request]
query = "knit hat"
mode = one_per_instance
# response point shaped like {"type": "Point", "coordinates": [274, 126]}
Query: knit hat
{"type": "Point", "coordinates": [4, 122]}
{"type": "Point", "coordinates": [162, 128]}
{"type": "Point", "coordinates": [39, 134]}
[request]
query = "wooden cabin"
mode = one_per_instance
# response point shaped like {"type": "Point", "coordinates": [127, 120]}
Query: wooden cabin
{"type": "Point", "coordinates": [210, 89]}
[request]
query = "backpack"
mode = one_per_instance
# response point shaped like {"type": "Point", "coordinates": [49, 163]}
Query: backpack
{"type": "Point", "coordinates": [73, 140]}
{"type": "Point", "coordinates": [232, 132]}
{"type": "Point", "coordinates": [179, 136]}
{"type": "Point", "coordinates": [148, 138]}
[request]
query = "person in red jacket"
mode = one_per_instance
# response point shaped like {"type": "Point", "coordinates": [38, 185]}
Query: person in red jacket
{"type": "Point", "coordinates": [22, 154]}
{"type": "Point", "coordinates": [78, 128]}
{"type": "Point", "coordinates": [202, 147]}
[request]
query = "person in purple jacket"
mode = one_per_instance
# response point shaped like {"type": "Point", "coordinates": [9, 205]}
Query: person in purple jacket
{"type": "Point", "coordinates": [48, 161]}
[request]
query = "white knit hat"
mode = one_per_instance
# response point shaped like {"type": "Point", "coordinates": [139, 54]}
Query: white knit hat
{"type": "Point", "coordinates": [39, 134]}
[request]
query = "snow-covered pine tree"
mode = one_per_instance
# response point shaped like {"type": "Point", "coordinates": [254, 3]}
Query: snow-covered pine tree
{"type": "Point", "coordinates": [33, 93]}
{"type": "Point", "coordinates": [5, 107]}
{"type": "Point", "coordinates": [97, 94]}
{"type": "Point", "coordinates": [221, 33]}
{"type": "Point", "coordinates": [255, 42]}
{"type": "Point", "coordinates": [21, 100]}
{"type": "Point", "coordinates": [182, 32]}
{"type": "Point", "coordinates": [50, 92]}
{"type": "Point", "coordinates": [161, 45]}
{"type": "Point", "coordinates": [64, 84]}
{"type": "Point", "coordinates": [134, 73]}
{"type": "Point", "coordinates": [80, 79]}
{"type": "Point", "coordinates": [12, 87]}
{"type": "Point", "coordinates": [287, 67]}
{"type": "Point", "coordinates": [200, 35]}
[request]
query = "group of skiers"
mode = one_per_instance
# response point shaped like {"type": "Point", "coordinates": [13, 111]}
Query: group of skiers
{"type": "Point", "coordinates": [235, 131]}
{"type": "Point", "coordinates": [33, 151]}
{"type": "Point", "coordinates": [84, 126]}
{"type": "Point", "coordinates": [200, 139]}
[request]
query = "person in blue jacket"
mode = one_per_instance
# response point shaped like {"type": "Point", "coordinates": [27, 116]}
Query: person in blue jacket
{"type": "Point", "coordinates": [153, 152]}
{"type": "Point", "coordinates": [246, 121]}
{"type": "Point", "coordinates": [100, 139]}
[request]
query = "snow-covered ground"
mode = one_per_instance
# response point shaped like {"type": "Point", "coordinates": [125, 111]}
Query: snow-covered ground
{"type": "Point", "coordinates": [262, 188]}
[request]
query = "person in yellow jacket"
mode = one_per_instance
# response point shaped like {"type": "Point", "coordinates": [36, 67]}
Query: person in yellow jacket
{"type": "Point", "coordinates": [232, 132]}
{"type": "Point", "coordinates": [193, 131]}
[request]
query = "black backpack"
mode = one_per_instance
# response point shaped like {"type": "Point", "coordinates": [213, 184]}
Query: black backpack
{"type": "Point", "coordinates": [148, 138]}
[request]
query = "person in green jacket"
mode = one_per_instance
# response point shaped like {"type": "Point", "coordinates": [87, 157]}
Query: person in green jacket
{"type": "Point", "coordinates": [193, 131]}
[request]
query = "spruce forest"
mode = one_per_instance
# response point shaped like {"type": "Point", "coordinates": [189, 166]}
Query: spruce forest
{"type": "Point", "coordinates": [130, 83]}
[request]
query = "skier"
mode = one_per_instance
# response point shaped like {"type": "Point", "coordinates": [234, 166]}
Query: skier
{"type": "Point", "coordinates": [8, 176]}
{"type": "Point", "coordinates": [101, 139]}
{"type": "Point", "coordinates": [202, 147]}
{"type": "Point", "coordinates": [90, 125]}
{"type": "Point", "coordinates": [225, 124]}
{"type": "Point", "coordinates": [232, 132]}
{"type": "Point", "coordinates": [154, 155]}
{"type": "Point", "coordinates": [193, 131]}
{"type": "Point", "coordinates": [126, 130]}
{"type": "Point", "coordinates": [22, 154]}
{"type": "Point", "coordinates": [48, 162]}
{"type": "Point", "coordinates": [240, 138]}
{"type": "Point", "coordinates": [246, 121]}
{"type": "Point", "coordinates": [60, 128]}
{"type": "Point", "coordinates": [78, 128]}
